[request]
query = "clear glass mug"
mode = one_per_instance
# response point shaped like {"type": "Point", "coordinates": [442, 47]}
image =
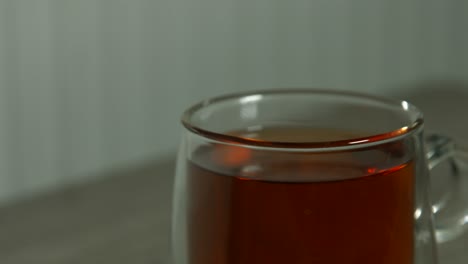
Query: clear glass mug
{"type": "Point", "coordinates": [312, 176]}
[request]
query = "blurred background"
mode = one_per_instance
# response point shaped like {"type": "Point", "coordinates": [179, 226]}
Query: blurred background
{"type": "Point", "coordinates": [91, 92]}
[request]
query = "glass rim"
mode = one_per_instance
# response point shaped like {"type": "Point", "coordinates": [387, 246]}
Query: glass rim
{"type": "Point", "coordinates": [332, 145]}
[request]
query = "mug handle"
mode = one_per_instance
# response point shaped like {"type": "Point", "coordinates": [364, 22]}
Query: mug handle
{"type": "Point", "coordinates": [451, 208]}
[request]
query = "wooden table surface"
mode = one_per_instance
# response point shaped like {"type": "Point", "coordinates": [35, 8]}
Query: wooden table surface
{"type": "Point", "coordinates": [123, 218]}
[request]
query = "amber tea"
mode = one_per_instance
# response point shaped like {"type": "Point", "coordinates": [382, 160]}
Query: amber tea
{"type": "Point", "coordinates": [267, 207]}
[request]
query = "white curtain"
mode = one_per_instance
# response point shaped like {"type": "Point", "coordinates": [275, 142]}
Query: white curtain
{"type": "Point", "coordinates": [92, 84]}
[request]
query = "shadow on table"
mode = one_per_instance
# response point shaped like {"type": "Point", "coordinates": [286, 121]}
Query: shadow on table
{"type": "Point", "coordinates": [444, 104]}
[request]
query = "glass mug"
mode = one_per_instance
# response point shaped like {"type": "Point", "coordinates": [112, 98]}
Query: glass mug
{"type": "Point", "coordinates": [312, 176]}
